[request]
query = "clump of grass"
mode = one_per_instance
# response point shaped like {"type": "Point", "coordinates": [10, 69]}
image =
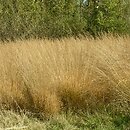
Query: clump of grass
{"type": "Point", "coordinates": [80, 74]}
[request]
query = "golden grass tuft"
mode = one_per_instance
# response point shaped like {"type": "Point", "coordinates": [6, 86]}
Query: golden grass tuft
{"type": "Point", "coordinates": [49, 76]}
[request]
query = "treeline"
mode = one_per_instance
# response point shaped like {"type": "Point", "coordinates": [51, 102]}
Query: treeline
{"type": "Point", "coordinates": [62, 18]}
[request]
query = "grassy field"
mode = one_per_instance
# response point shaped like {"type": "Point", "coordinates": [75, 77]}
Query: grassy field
{"type": "Point", "coordinates": [69, 84]}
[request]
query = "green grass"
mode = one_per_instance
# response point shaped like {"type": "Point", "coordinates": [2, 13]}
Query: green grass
{"type": "Point", "coordinates": [69, 121]}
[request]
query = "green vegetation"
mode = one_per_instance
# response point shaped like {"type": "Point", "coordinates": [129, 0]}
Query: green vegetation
{"type": "Point", "coordinates": [70, 121]}
{"type": "Point", "coordinates": [56, 19]}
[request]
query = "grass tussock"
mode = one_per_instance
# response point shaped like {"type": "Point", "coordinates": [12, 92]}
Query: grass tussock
{"type": "Point", "coordinates": [49, 76]}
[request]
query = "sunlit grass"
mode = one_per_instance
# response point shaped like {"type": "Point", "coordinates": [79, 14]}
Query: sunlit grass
{"type": "Point", "coordinates": [48, 77]}
{"type": "Point", "coordinates": [70, 121]}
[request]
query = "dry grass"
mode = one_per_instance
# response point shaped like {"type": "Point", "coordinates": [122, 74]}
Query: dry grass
{"type": "Point", "coordinates": [48, 76]}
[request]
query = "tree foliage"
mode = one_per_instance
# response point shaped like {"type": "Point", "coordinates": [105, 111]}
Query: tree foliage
{"type": "Point", "coordinates": [62, 18]}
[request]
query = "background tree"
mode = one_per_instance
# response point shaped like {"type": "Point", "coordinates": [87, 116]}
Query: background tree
{"type": "Point", "coordinates": [62, 18]}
